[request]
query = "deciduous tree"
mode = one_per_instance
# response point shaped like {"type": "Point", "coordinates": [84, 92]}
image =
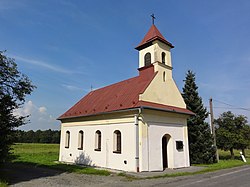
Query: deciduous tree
{"type": "Point", "coordinates": [14, 86]}
{"type": "Point", "coordinates": [232, 132]}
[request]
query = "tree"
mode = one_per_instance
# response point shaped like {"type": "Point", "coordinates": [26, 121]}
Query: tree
{"type": "Point", "coordinates": [14, 86]}
{"type": "Point", "coordinates": [245, 132]}
{"type": "Point", "coordinates": [232, 132]}
{"type": "Point", "coordinates": [46, 136]}
{"type": "Point", "coordinates": [201, 147]}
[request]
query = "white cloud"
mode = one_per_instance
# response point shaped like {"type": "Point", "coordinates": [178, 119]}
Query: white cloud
{"type": "Point", "coordinates": [42, 110]}
{"type": "Point", "coordinates": [43, 64]}
{"type": "Point", "coordinates": [38, 116]}
{"type": "Point", "coordinates": [72, 87]}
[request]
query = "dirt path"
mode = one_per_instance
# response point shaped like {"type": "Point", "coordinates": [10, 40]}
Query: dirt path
{"type": "Point", "coordinates": [22, 175]}
{"type": "Point", "coordinates": [28, 175]}
{"type": "Point", "coordinates": [72, 179]}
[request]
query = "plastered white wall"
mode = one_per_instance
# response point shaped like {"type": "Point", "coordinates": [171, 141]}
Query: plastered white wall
{"type": "Point", "coordinates": [176, 159]}
{"type": "Point", "coordinates": [156, 50]}
{"type": "Point", "coordinates": [104, 158]}
{"type": "Point", "coordinates": [154, 125]}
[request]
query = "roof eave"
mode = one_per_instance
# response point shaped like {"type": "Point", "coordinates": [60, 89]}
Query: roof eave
{"type": "Point", "coordinates": [100, 113]}
{"type": "Point", "coordinates": [167, 110]}
{"type": "Point", "coordinates": [149, 42]}
{"type": "Point", "coordinates": [129, 109]}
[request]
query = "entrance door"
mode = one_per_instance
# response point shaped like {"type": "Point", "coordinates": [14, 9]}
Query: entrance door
{"type": "Point", "coordinates": [164, 152]}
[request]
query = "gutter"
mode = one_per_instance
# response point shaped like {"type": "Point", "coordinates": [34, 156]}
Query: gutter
{"type": "Point", "coordinates": [101, 113]}
{"type": "Point", "coordinates": [166, 110]}
{"type": "Point", "coordinates": [126, 110]}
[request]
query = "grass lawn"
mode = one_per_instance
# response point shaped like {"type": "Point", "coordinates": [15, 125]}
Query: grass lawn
{"type": "Point", "coordinates": [46, 155]}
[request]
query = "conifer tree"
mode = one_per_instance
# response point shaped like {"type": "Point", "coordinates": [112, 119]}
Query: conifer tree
{"type": "Point", "coordinates": [201, 148]}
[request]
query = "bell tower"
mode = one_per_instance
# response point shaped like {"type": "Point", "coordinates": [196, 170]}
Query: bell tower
{"type": "Point", "coordinates": [154, 48]}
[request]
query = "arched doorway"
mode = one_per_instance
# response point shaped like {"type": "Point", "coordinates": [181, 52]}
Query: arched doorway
{"type": "Point", "coordinates": [165, 141]}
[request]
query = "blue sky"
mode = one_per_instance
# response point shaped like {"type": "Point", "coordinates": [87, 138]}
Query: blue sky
{"type": "Point", "coordinates": [67, 46]}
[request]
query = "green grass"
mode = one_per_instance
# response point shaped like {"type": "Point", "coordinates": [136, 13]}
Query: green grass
{"type": "Point", "coordinates": [3, 184]}
{"type": "Point", "coordinates": [225, 155]}
{"type": "Point", "coordinates": [39, 154]}
{"type": "Point", "coordinates": [46, 155]}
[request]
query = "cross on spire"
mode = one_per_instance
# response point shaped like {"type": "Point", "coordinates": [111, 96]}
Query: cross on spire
{"type": "Point", "coordinates": [153, 19]}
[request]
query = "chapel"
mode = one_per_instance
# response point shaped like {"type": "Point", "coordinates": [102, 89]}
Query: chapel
{"type": "Point", "coordinates": [139, 124]}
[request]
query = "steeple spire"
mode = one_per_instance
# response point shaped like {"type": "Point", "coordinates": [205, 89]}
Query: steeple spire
{"type": "Point", "coordinates": [152, 35]}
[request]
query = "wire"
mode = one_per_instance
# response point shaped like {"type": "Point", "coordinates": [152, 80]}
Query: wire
{"type": "Point", "coordinates": [232, 106]}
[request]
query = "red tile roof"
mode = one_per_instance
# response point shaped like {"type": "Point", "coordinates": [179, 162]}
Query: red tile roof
{"type": "Point", "coordinates": [119, 96]}
{"type": "Point", "coordinates": [153, 34]}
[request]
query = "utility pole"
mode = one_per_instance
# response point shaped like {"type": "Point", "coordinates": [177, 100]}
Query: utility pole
{"type": "Point", "coordinates": [213, 128]}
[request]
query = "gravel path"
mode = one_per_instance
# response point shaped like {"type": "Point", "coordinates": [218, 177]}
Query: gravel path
{"type": "Point", "coordinates": [71, 179]}
{"type": "Point", "coordinates": [22, 175]}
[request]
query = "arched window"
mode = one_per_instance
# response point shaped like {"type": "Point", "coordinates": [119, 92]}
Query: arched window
{"type": "Point", "coordinates": [67, 139]}
{"type": "Point", "coordinates": [117, 142]}
{"type": "Point", "coordinates": [163, 56]}
{"type": "Point", "coordinates": [147, 59]}
{"type": "Point", "coordinates": [80, 140]}
{"type": "Point", "coordinates": [164, 76]}
{"type": "Point", "coordinates": [98, 140]}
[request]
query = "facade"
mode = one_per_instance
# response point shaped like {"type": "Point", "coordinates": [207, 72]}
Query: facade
{"type": "Point", "coordinates": [139, 124]}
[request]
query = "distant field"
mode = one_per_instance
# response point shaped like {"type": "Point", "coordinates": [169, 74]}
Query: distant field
{"type": "Point", "coordinates": [40, 154]}
{"type": "Point", "coordinates": [46, 155]}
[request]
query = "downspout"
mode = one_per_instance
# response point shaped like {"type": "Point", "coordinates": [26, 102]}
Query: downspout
{"type": "Point", "coordinates": [148, 145]}
{"type": "Point", "coordinates": [136, 117]}
{"type": "Point", "coordinates": [140, 109]}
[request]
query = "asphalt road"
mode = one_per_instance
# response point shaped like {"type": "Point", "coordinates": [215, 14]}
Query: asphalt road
{"type": "Point", "coordinates": [239, 177]}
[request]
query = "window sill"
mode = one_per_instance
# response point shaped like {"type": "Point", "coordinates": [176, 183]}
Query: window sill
{"type": "Point", "coordinates": [66, 147]}
{"type": "Point", "coordinates": [117, 152]}
{"type": "Point", "coordinates": [97, 149]}
{"type": "Point", "coordinates": [80, 148]}
{"type": "Point", "coordinates": [180, 150]}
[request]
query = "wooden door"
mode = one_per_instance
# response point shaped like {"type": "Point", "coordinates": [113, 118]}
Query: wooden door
{"type": "Point", "coordinates": [164, 152]}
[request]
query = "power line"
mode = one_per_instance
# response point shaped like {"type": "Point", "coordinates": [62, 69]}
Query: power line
{"type": "Point", "coordinates": [235, 108]}
{"type": "Point", "coordinates": [232, 106]}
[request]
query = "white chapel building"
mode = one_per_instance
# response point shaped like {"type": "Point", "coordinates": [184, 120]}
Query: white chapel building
{"type": "Point", "coordinates": [139, 124]}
